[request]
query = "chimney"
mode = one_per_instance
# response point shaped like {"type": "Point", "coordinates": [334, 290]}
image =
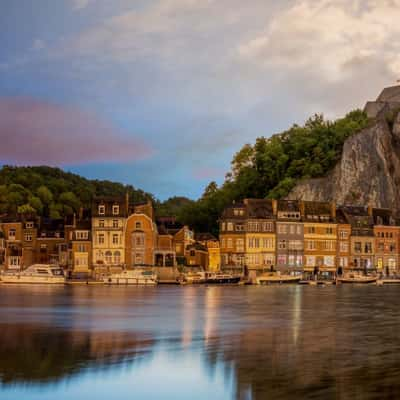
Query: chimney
{"type": "Point", "coordinates": [127, 203]}
{"type": "Point", "coordinates": [302, 208]}
{"type": "Point", "coordinates": [274, 207]}
{"type": "Point", "coordinates": [333, 210]}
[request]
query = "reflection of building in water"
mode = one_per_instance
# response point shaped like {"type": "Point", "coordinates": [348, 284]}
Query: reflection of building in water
{"type": "Point", "coordinates": [211, 308]}
{"type": "Point", "coordinates": [40, 354]}
{"type": "Point", "coordinates": [189, 309]}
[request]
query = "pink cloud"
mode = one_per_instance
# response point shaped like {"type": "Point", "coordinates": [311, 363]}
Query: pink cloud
{"type": "Point", "coordinates": [37, 132]}
{"type": "Point", "coordinates": [202, 173]}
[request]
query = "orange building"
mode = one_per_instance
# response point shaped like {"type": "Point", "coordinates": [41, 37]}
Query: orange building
{"type": "Point", "coordinates": [343, 258]}
{"type": "Point", "coordinates": [320, 236]}
{"type": "Point", "coordinates": [386, 241]}
{"type": "Point", "coordinates": [140, 239]}
{"type": "Point", "coordinates": [13, 238]}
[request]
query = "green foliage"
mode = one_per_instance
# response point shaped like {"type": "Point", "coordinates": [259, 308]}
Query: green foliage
{"type": "Point", "coordinates": [272, 166]}
{"type": "Point", "coordinates": [26, 209]}
{"type": "Point", "coordinates": [55, 193]}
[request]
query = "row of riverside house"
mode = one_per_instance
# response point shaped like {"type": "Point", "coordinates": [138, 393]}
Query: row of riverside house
{"type": "Point", "coordinates": [308, 237]}
{"type": "Point", "coordinates": [114, 234]}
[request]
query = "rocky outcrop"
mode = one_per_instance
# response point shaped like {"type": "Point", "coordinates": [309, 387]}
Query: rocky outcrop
{"type": "Point", "coordinates": [368, 172]}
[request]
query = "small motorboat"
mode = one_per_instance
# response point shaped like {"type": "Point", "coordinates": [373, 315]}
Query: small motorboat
{"type": "Point", "coordinates": [37, 273]}
{"type": "Point", "coordinates": [221, 278]}
{"type": "Point", "coordinates": [356, 278]}
{"type": "Point", "coordinates": [273, 277]}
{"type": "Point", "coordinates": [132, 277]}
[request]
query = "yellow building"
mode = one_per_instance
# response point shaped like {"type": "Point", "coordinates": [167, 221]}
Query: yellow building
{"type": "Point", "coordinates": [108, 227]}
{"type": "Point", "coordinates": [213, 249]}
{"type": "Point", "coordinates": [320, 237]}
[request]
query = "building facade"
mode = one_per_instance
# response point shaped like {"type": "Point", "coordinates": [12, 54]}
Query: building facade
{"type": "Point", "coordinates": [108, 231]}
{"type": "Point", "coordinates": [289, 237]}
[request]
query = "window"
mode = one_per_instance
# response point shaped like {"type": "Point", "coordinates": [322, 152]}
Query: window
{"type": "Point", "coordinates": [239, 245]}
{"type": "Point", "coordinates": [381, 246]}
{"type": "Point", "coordinates": [12, 234]}
{"type": "Point", "coordinates": [115, 223]}
{"type": "Point", "coordinates": [311, 245]}
{"type": "Point", "coordinates": [281, 259]}
{"type": "Point", "coordinates": [292, 230]}
{"type": "Point", "coordinates": [268, 259]}
{"type": "Point", "coordinates": [357, 247]}
{"type": "Point", "coordinates": [343, 234]}
{"type": "Point", "coordinates": [392, 247]}
{"type": "Point", "coordinates": [82, 235]}
{"type": "Point", "coordinates": [102, 210]}
{"type": "Point", "coordinates": [344, 247]}
{"type": "Point", "coordinates": [329, 261]}
{"type": "Point", "coordinates": [100, 238]}
{"type": "Point", "coordinates": [115, 210]}
{"type": "Point", "coordinates": [28, 237]}
{"type": "Point", "coordinates": [222, 243]}
{"type": "Point", "coordinates": [282, 244]}
{"type": "Point", "coordinates": [295, 245]}
{"type": "Point", "coordinates": [29, 225]}
{"type": "Point", "coordinates": [223, 226]}
{"type": "Point", "coordinates": [368, 247]}
{"type": "Point", "coordinates": [268, 227]}
{"type": "Point", "coordinates": [101, 223]}
{"type": "Point", "coordinates": [81, 248]}
{"type": "Point", "coordinates": [229, 226]}
{"type": "Point", "coordinates": [239, 227]}
{"type": "Point", "coordinates": [291, 260]}
{"type": "Point", "coordinates": [229, 243]}
{"type": "Point", "coordinates": [343, 262]}
{"type": "Point", "coordinates": [115, 238]}
{"type": "Point", "coordinates": [310, 261]}
{"type": "Point", "coordinates": [108, 257]}
{"type": "Point", "coordinates": [117, 257]}
{"type": "Point", "coordinates": [311, 229]}
{"type": "Point", "coordinates": [282, 229]}
{"type": "Point", "coordinates": [329, 231]}
{"type": "Point", "coordinates": [329, 245]}
{"type": "Point", "coordinates": [137, 239]}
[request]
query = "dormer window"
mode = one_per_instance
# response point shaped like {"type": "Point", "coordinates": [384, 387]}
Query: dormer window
{"type": "Point", "coordinates": [138, 225]}
{"type": "Point", "coordinates": [102, 210]}
{"type": "Point", "coordinates": [12, 234]}
{"type": "Point", "coordinates": [115, 210]}
{"type": "Point", "coordinates": [29, 225]}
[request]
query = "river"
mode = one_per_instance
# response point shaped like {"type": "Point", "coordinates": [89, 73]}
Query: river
{"type": "Point", "coordinates": [199, 342]}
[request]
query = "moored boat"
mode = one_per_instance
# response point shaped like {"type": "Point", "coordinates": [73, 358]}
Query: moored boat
{"type": "Point", "coordinates": [37, 273]}
{"type": "Point", "coordinates": [273, 277]}
{"type": "Point", "coordinates": [356, 278]}
{"type": "Point", "coordinates": [194, 277]}
{"type": "Point", "coordinates": [221, 278]}
{"type": "Point", "coordinates": [132, 277]}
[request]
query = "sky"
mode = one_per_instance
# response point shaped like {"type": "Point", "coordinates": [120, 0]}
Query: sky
{"type": "Point", "coordinates": [160, 94]}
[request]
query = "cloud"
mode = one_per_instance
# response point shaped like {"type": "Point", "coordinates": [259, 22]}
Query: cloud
{"type": "Point", "coordinates": [80, 4]}
{"type": "Point", "coordinates": [36, 132]}
{"type": "Point", "coordinates": [38, 44]}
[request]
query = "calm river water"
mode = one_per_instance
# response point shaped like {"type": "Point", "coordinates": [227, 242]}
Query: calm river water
{"type": "Point", "coordinates": [198, 342]}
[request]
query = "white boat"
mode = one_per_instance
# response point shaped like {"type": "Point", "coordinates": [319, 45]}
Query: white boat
{"type": "Point", "coordinates": [132, 277]}
{"type": "Point", "coordinates": [194, 277]}
{"type": "Point", "coordinates": [356, 278]}
{"type": "Point", "coordinates": [37, 273]}
{"type": "Point", "coordinates": [221, 278]}
{"type": "Point", "coordinates": [273, 277]}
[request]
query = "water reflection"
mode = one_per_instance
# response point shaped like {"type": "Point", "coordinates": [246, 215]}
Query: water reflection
{"type": "Point", "coordinates": [198, 342]}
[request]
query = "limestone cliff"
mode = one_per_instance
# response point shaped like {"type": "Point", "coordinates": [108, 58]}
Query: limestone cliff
{"type": "Point", "coordinates": [369, 169]}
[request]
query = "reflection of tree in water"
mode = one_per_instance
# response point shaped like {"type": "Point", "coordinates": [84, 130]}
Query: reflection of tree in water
{"type": "Point", "coordinates": [322, 362]}
{"type": "Point", "coordinates": [41, 355]}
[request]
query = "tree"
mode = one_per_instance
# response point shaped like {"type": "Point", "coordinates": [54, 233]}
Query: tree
{"type": "Point", "coordinates": [45, 195]}
{"type": "Point", "coordinates": [26, 209]}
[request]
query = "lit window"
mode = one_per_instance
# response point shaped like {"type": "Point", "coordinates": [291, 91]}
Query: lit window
{"type": "Point", "coordinates": [115, 223]}
{"type": "Point", "coordinates": [102, 210]}
{"type": "Point", "coordinates": [12, 234]}
{"type": "Point", "coordinates": [115, 239]}
{"type": "Point", "coordinates": [101, 223]}
{"type": "Point", "coordinates": [115, 210]}
{"type": "Point", "coordinates": [100, 238]}
{"type": "Point", "coordinates": [28, 237]}
{"type": "Point", "coordinates": [29, 225]}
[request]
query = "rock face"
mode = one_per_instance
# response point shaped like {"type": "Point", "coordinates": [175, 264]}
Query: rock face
{"type": "Point", "coordinates": [368, 172]}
